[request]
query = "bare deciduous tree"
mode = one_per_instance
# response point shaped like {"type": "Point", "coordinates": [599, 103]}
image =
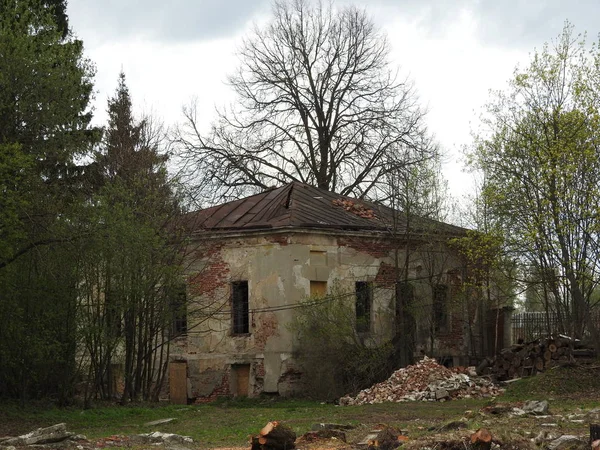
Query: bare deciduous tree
{"type": "Point", "coordinates": [318, 102]}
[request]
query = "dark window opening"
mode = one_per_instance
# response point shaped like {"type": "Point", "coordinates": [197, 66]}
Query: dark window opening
{"type": "Point", "coordinates": [405, 320]}
{"type": "Point", "coordinates": [440, 307]}
{"type": "Point", "coordinates": [239, 308]}
{"type": "Point", "coordinates": [179, 310]}
{"type": "Point", "coordinates": [364, 294]}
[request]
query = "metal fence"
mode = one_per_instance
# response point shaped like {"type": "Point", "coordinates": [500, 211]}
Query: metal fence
{"type": "Point", "coordinates": [527, 326]}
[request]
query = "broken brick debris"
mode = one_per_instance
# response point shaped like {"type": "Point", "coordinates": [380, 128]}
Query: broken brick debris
{"type": "Point", "coordinates": [355, 208]}
{"type": "Point", "coordinates": [425, 381]}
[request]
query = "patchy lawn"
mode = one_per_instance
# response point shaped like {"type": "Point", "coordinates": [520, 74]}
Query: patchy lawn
{"type": "Point", "coordinates": [571, 391]}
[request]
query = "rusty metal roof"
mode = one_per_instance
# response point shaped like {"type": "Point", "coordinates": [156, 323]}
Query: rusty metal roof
{"type": "Point", "coordinates": [299, 205]}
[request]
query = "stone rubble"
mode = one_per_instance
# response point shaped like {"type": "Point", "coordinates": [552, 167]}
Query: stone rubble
{"type": "Point", "coordinates": [157, 437]}
{"type": "Point", "coordinates": [53, 434]}
{"type": "Point", "coordinates": [425, 381]}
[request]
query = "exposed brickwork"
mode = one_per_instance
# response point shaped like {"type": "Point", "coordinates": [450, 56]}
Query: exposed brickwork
{"type": "Point", "coordinates": [258, 369]}
{"type": "Point", "coordinates": [281, 239]}
{"type": "Point", "coordinates": [290, 380]}
{"type": "Point", "coordinates": [267, 327]}
{"type": "Point", "coordinates": [222, 390]}
{"type": "Point", "coordinates": [378, 248]}
{"type": "Point", "coordinates": [386, 275]}
{"type": "Point", "coordinates": [214, 275]}
{"type": "Point", "coordinates": [453, 339]}
{"type": "Point", "coordinates": [213, 279]}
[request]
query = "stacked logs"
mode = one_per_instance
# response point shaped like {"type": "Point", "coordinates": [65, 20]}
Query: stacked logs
{"type": "Point", "coordinates": [274, 436]}
{"type": "Point", "coordinates": [529, 358]}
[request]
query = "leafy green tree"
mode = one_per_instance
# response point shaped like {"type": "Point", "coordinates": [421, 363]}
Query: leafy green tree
{"type": "Point", "coordinates": [131, 269]}
{"type": "Point", "coordinates": [45, 87]}
{"type": "Point", "coordinates": [335, 359]}
{"type": "Point", "coordinates": [540, 155]}
{"type": "Point", "coordinates": [14, 170]}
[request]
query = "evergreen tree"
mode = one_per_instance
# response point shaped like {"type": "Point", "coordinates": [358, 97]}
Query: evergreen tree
{"type": "Point", "coordinates": [128, 282]}
{"type": "Point", "coordinates": [45, 87]}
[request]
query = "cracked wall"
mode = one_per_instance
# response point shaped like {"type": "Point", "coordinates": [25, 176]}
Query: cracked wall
{"type": "Point", "coordinates": [279, 268]}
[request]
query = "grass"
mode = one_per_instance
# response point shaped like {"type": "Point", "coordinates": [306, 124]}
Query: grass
{"type": "Point", "coordinates": [575, 383]}
{"type": "Point", "coordinates": [229, 422]}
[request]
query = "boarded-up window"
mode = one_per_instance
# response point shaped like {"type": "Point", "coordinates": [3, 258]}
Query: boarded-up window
{"type": "Point", "coordinates": [241, 379]}
{"type": "Point", "coordinates": [179, 310]}
{"type": "Point", "coordinates": [440, 307]}
{"type": "Point", "coordinates": [239, 308]}
{"type": "Point", "coordinates": [318, 258]}
{"type": "Point", "coordinates": [364, 298]}
{"type": "Point", "coordinates": [178, 382]}
{"type": "Point", "coordinates": [318, 288]}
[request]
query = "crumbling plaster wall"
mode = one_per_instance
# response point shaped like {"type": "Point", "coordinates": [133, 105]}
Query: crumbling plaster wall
{"type": "Point", "coordinates": [279, 272]}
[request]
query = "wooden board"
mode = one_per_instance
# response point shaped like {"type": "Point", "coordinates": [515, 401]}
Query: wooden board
{"type": "Point", "coordinates": [242, 379]}
{"type": "Point", "coordinates": [178, 382]}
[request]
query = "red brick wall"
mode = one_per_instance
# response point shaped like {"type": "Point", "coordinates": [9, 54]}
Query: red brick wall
{"type": "Point", "coordinates": [258, 369]}
{"type": "Point", "coordinates": [214, 275]}
{"type": "Point", "coordinates": [222, 390]}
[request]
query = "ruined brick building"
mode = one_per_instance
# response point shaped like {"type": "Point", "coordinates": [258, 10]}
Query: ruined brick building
{"type": "Point", "coordinates": [254, 261]}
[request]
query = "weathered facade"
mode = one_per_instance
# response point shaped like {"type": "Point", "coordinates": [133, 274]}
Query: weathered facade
{"type": "Point", "coordinates": [255, 261]}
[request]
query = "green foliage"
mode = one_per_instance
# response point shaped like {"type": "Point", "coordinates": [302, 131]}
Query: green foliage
{"type": "Point", "coordinates": [228, 424]}
{"type": "Point", "coordinates": [336, 360]}
{"type": "Point", "coordinates": [541, 160]}
{"type": "Point", "coordinates": [130, 264]}
{"type": "Point", "coordinates": [45, 86]}
{"type": "Point", "coordinates": [14, 170]}
{"type": "Point", "coordinates": [482, 252]}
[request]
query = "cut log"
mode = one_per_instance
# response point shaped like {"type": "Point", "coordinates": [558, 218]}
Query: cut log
{"type": "Point", "coordinates": [268, 428]}
{"type": "Point", "coordinates": [539, 364]}
{"type": "Point", "coordinates": [387, 439]}
{"type": "Point", "coordinates": [552, 347]}
{"type": "Point", "coordinates": [547, 355]}
{"type": "Point", "coordinates": [482, 366]}
{"type": "Point", "coordinates": [481, 440]}
{"type": "Point", "coordinates": [274, 436]}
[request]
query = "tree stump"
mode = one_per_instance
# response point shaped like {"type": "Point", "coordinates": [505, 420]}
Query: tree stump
{"type": "Point", "coordinates": [274, 436]}
{"type": "Point", "coordinates": [594, 433]}
{"type": "Point", "coordinates": [481, 440]}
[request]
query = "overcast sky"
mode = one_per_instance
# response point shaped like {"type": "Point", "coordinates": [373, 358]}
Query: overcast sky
{"type": "Point", "coordinates": [455, 51]}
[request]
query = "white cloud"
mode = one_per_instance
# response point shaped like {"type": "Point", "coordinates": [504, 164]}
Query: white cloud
{"type": "Point", "coordinates": [454, 51]}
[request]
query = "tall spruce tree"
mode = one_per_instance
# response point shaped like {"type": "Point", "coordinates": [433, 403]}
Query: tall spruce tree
{"type": "Point", "coordinates": [128, 285]}
{"type": "Point", "coordinates": [45, 87]}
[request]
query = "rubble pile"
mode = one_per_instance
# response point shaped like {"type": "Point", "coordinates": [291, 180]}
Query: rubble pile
{"type": "Point", "coordinates": [425, 381]}
{"type": "Point", "coordinates": [355, 207]}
